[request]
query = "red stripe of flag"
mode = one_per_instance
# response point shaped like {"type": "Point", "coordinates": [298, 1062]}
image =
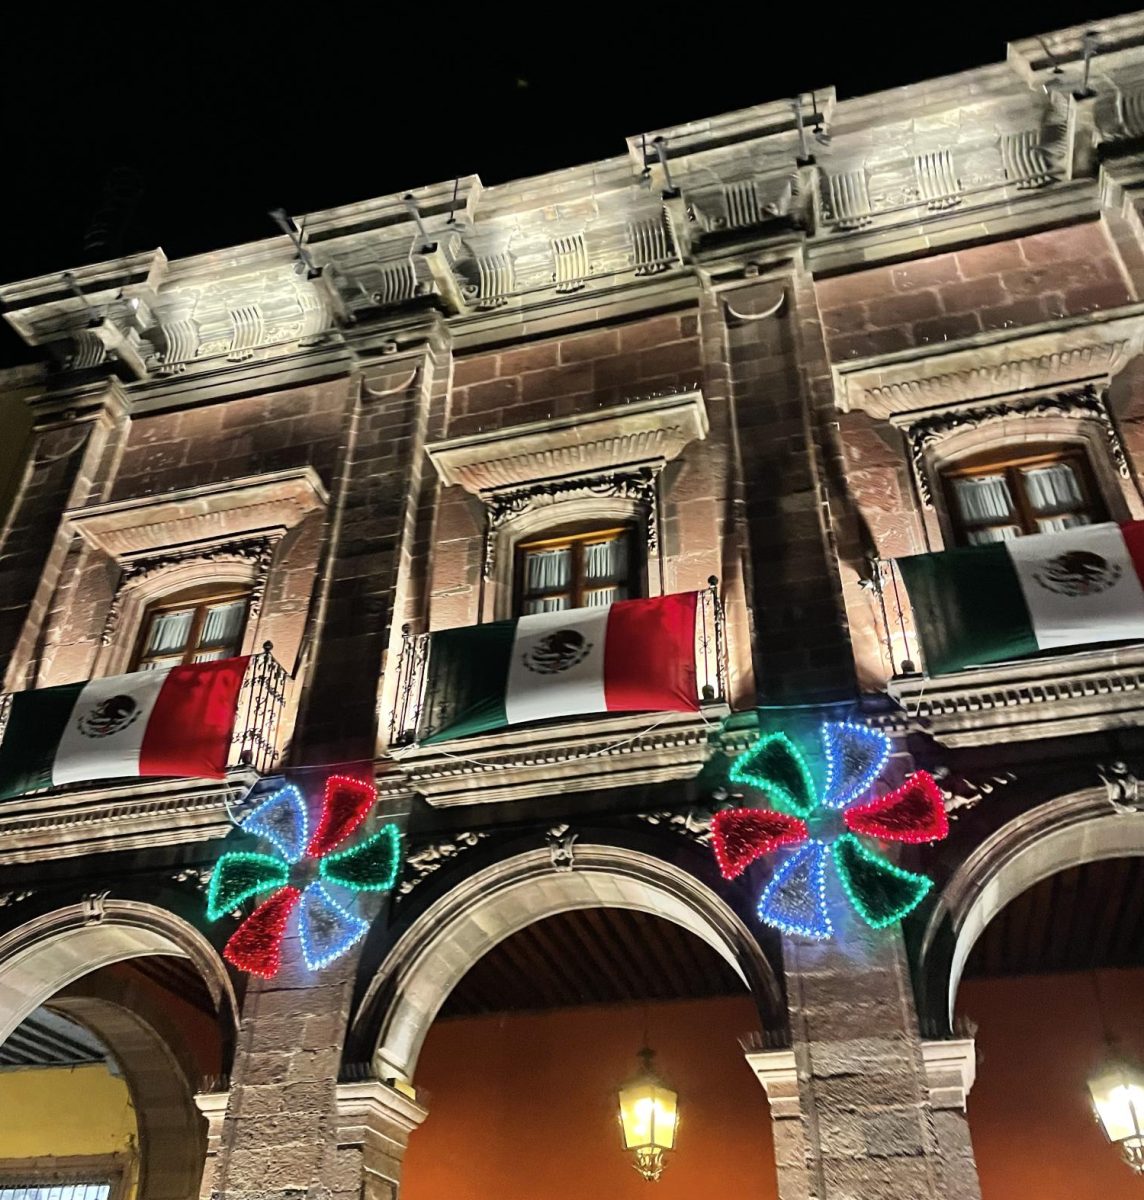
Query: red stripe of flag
{"type": "Point", "coordinates": [193, 719]}
{"type": "Point", "coordinates": [1133, 534]}
{"type": "Point", "coordinates": [649, 655]}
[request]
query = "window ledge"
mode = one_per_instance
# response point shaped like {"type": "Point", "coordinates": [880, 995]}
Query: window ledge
{"type": "Point", "coordinates": [1060, 696]}
{"type": "Point", "coordinates": [581, 755]}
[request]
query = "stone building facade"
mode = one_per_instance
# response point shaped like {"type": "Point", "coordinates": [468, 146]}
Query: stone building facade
{"type": "Point", "coordinates": [765, 345]}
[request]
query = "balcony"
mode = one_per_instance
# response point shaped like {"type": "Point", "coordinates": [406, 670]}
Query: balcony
{"type": "Point", "coordinates": [604, 750]}
{"type": "Point", "coordinates": [127, 813]}
{"type": "Point", "coordinates": [1055, 694]}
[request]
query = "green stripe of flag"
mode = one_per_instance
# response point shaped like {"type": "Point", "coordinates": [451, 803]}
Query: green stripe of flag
{"type": "Point", "coordinates": [36, 723]}
{"type": "Point", "coordinates": [969, 607]}
{"type": "Point", "coordinates": [468, 679]}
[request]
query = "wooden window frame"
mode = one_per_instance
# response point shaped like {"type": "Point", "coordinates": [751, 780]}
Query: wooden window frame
{"type": "Point", "coordinates": [1011, 465]}
{"type": "Point", "coordinates": [200, 598]}
{"type": "Point", "coordinates": [633, 581]}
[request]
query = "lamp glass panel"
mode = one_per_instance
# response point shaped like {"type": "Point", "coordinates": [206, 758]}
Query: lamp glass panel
{"type": "Point", "coordinates": [1118, 1096]}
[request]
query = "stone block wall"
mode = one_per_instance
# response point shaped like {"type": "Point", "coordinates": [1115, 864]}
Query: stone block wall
{"type": "Point", "coordinates": [943, 297]}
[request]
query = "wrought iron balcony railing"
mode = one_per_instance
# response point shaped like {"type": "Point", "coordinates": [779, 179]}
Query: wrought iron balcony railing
{"type": "Point", "coordinates": [260, 704]}
{"type": "Point", "coordinates": [894, 617]}
{"type": "Point", "coordinates": [413, 678]}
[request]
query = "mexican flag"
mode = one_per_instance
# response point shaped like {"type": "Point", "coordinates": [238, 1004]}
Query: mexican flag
{"type": "Point", "coordinates": [631, 656]}
{"type": "Point", "coordinates": [175, 721]}
{"type": "Point", "coordinates": [985, 604]}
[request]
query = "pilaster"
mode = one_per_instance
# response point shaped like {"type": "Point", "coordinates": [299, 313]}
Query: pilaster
{"type": "Point", "coordinates": [374, 1122]}
{"type": "Point", "coordinates": [77, 440]}
{"type": "Point", "coordinates": [213, 1107]}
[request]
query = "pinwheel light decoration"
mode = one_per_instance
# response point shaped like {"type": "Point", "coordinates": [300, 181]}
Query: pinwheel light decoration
{"type": "Point", "coordinates": [300, 872]}
{"type": "Point", "coordinates": [825, 828]}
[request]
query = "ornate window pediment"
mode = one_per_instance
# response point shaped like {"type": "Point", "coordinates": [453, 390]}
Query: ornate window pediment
{"type": "Point", "coordinates": [596, 465]}
{"type": "Point", "coordinates": [225, 532]}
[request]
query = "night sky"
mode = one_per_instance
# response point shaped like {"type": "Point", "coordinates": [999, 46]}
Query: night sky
{"type": "Point", "coordinates": [206, 116]}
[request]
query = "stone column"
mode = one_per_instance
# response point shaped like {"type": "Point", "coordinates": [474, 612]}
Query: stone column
{"type": "Point", "coordinates": [878, 1110]}
{"type": "Point", "coordinates": [281, 1114]}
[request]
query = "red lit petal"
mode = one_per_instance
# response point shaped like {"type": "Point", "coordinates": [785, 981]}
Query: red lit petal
{"type": "Point", "coordinates": [346, 804]}
{"type": "Point", "coordinates": [740, 835]}
{"type": "Point", "coordinates": [256, 945]}
{"type": "Point", "coordinates": [912, 813]}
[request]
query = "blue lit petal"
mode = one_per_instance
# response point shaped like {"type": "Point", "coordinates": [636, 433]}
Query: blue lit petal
{"type": "Point", "coordinates": [855, 757]}
{"type": "Point", "coordinates": [282, 819]}
{"type": "Point", "coordinates": [328, 930]}
{"type": "Point", "coordinates": [794, 901]}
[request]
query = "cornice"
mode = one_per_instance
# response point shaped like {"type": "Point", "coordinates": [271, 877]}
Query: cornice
{"type": "Point", "coordinates": [1068, 353]}
{"type": "Point", "coordinates": [655, 429]}
{"type": "Point", "coordinates": [1040, 698]}
{"type": "Point", "coordinates": [134, 816]}
{"type": "Point", "coordinates": [587, 754]}
{"type": "Point", "coordinates": [260, 505]}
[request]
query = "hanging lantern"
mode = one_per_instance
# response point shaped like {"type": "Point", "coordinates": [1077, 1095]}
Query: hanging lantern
{"type": "Point", "coordinates": [1118, 1098]}
{"type": "Point", "coordinates": [649, 1118]}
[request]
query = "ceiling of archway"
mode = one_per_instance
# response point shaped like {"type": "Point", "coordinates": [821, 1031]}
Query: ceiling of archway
{"type": "Point", "coordinates": [1088, 916]}
{"type": "Point", "coordinates": [592, 956]}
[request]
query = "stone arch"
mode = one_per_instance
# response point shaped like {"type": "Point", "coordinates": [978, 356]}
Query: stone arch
{"type": "Point", "coordinates": [172, 1133]}
{"type": "Point", "coordinates": [430, 957]}
{"type": "Point", "coordinates": [41, 960]}
{"type": "Point", "coordinates": [1066, 832]}
{"type": "Point", "coordinates": [46, 954]}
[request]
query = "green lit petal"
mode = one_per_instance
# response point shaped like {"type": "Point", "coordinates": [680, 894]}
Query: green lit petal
{"type": "Point", "coordinates": [774, 766]}
{"type": "Point", "coordinates": [880, 892]}
{"type": "Point", "coordinates": [239, 876]}
{"type": "Point", "coordinates": [368, 867]}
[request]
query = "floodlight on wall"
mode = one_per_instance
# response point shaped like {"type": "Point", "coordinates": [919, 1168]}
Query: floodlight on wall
{"type": "Point", "coordinates": [649, 1118]}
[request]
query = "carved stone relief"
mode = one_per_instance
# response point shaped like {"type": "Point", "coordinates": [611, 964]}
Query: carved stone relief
{"type": "Point", "coordinates": [420, 864]}
{"type": "Point", "coordinates": [640, 485]}
{"type": "Point", "coordinates": [1086, 404]}
{"type": "Point", "coordinates": [561, 847]}
{"type": "Point", "coordinates": [257, 551]}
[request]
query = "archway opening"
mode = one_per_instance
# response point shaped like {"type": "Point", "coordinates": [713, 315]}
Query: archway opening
{"type": "Point", "coordinates": [100, 1069]}
{"type": "Point", "coordinates": [522, 1064]}
{"type": "Point", "coordinates": [1057, 969]}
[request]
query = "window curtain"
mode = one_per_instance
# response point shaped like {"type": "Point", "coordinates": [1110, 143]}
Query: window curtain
{"type": "Point", "coordinates": [547, 570]}
{"type": "Point", "coordinates": [983, 498]}
{"type": "Point", "coordinates": [223, 626]}
{"type": "Point", "coordinates": [169, 632]}
{"type": "Point", "coordinates": [543, 604]}
{"type": "Point", "coordinates": [1067, 521]}
{"type": "Point", "coordinates": [996, 533]}
{"type": "Point", "coordinates": [1052, 488]}
{"type": "Point", "coordinates": [603, 596]}
{"type": "Point", "coordinates": [606, 560]}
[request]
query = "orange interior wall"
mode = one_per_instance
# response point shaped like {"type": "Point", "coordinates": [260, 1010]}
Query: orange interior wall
{"type": "Point", "coordinates": [1038, 1038]}
{"type": "Point", "coordinates": [524, 1105]}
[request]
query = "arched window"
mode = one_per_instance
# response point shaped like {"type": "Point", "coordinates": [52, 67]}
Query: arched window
{"type": "Point", "coordinates": [997, 496]}
{"type": "Point", "coordinates": [199, 625]}
{"type": "Point", "coordinates": [582, 569]}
